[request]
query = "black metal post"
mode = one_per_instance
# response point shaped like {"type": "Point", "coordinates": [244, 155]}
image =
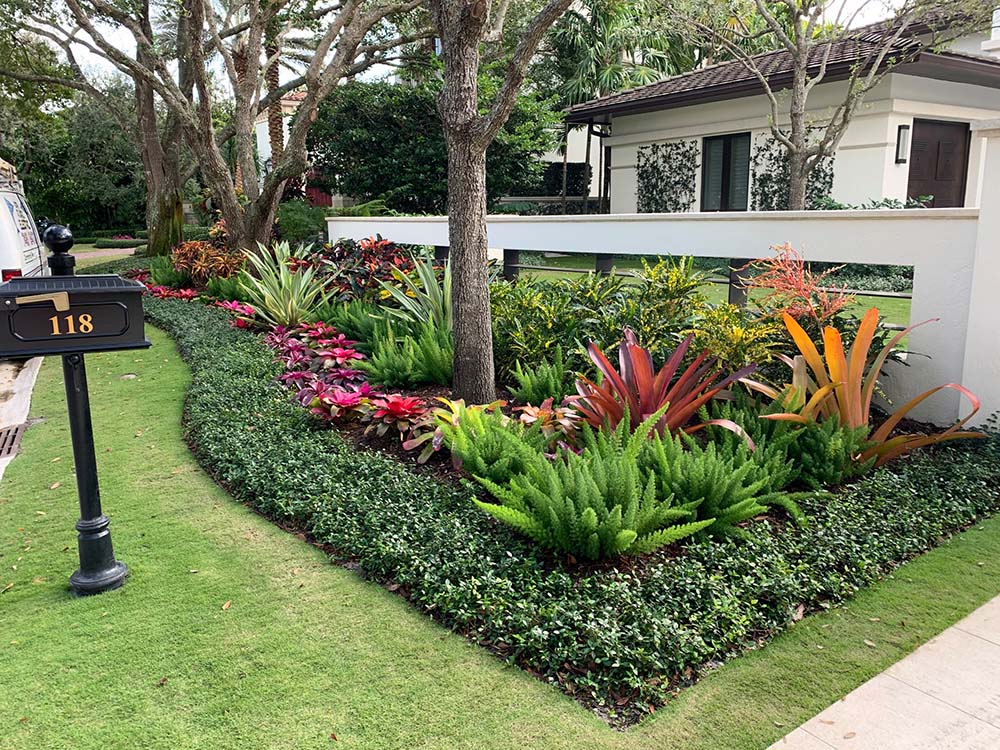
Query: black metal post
{"type": "Point", "coordinates": [440, 253]}
{"type": "Point", "coordinates": [737, 281]}
{"type": "Point", "coordinates": [511, 259]}
{"type": "Point", "coordinates": [99, 570]}
{"type": "Point", "coordinates": [604, 263]}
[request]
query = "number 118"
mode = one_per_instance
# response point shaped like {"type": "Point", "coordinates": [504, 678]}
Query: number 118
{"type": "Point", "coordinates": [85, 324]}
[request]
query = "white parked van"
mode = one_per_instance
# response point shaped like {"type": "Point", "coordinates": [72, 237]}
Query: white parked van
{"type": "Point", "coordinates": [21, 250]}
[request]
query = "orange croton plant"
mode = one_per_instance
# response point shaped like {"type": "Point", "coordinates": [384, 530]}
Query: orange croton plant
{"type": "Point", "coordinates": [842, 383]}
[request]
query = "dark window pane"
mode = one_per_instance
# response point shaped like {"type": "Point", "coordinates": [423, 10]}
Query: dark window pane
{"type": "Point", "coordinates": [739, 172]}
{"type": "Point", "coordinates": [711, 194]}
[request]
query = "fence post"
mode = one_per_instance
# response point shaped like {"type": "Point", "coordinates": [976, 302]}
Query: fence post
{"type": "Point", "coordinates": [604, 263]}
{"type": "Point", "coordinates": [737, 281]}
{"type": "Point", "coordinates": [511, 259]}
{"type": "Point", "coordinates": [440, 253]}
{"type": "Point", "coordinates": [981, 368]}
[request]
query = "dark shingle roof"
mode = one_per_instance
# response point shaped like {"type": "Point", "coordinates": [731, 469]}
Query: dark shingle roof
{"type": "Point", "coordinates": [732, 79]}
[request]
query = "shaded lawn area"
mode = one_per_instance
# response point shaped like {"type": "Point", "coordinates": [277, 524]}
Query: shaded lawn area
{"type": "Point", "coordinates": [894, 309]}
{"type": "Point", "coordinates": [306, 650]}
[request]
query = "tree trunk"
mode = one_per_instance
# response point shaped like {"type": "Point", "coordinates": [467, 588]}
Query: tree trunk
{"type": "Point", "coordinates": [797, 180]}
{"type": "Point", "coordinates": [160, 163]}
{"type": "Point", "coordinates": [165, 219]}
{"type": "Point", "coordinates": [275, 117]}
{"type": "Point", "coordinates": [473, 378]}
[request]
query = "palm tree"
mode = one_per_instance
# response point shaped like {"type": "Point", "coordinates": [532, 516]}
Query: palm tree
{"type": "Point", "coordinates": [613, 45]}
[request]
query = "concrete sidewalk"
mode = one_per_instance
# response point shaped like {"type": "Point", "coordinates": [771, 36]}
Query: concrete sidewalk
{"type": "Point", "coordinates": [943, 696]}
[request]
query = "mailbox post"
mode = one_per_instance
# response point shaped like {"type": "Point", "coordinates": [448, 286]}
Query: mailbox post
{"type": "Point", "coordinates": [94, 313]}
{"type": "Point", "coordinates": [99, 570]}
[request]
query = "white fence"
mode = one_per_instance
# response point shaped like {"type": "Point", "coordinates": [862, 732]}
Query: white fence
{"type": "Point", "coordinates": [955, 254]}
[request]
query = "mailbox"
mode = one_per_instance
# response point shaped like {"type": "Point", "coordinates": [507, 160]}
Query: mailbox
{"type": "Point", "coordinates": [69, 314]}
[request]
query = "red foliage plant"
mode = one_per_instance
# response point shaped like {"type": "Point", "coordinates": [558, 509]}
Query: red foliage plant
{"type": "Point", "coordinates": [792, 288]}
{"type": "Point", "coordinates": [640, 391]}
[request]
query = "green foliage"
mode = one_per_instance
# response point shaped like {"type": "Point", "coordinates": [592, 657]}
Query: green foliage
{"type": "Point", "coordinates": [595, 504]}
{"type": "Point", "coordinates": [487, 444]}
{"type": "Point", "coordinates": [770, 170]}
{"type": "Point", "coordinates": [736, 336]}
{"type": "Point", "coordinates": [195, 233]}
{"type": "Point", "coordinates": [163, 273]}
{"type": "Point", "coordinates": [666, 176]}
{"type": "Point", "coordinates": [825, 453]}
{"type": "Point", "coordinates": [725, 489]}
{"type": "Point", "coordinates": [356, 319]}
{"type": "Point", "coordinates": [230, 288]}
{"type": "Point", "coordinates": [107, 243]}
{"type": "Point", "coordinates": [422, 355]}
{"type": "Point", "coordinates": [550, 182]}
{"type": "Point", "coordinates": [375, 207]}
{"type": "Point", "coordinates": [78, 166]}
{"type": "Point", "coordinates": [665, 615]}
{"type": "Point", "coordinates": [420, 296]}
{"type": "Point", "coordinates": [532, 316]}
{"type": "Point", "coordinates": [300, 223]}
{"type": "Point", "coordinates": [379, 140]}
{"type": "Point", "coordinates": [279, 295]}
{"type": "Point", "coordinates": [546, 380]}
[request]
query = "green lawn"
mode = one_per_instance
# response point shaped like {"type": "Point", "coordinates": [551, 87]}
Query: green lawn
{"type": "Point", "coordinates": [895, 310]}
{"type": "Point", "coordinates": [306, 650]}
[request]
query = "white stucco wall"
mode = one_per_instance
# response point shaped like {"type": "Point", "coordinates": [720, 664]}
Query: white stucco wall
{"type": "Point", "coordinates": [865, 167]}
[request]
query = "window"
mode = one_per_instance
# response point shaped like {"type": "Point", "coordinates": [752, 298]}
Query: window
{"type": "Point", "coordinates": [725, 172]}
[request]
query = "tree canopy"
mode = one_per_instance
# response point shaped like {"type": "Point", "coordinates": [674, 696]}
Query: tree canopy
{"type": "Point", "coordinates": [384, 140]}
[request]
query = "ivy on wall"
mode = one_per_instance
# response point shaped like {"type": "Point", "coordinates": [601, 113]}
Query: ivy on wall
{"type": "Point", "coordinates": [769, 165]}
{"type": "Point", "coordinates": [666, 176]}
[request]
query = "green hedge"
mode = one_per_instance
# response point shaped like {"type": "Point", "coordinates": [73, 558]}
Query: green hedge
{"type": "Point", "coordinates": [614, 638]}
{"type": "Point", "coordinates": [105, 243]}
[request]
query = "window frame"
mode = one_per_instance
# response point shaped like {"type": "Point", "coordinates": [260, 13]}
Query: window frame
{"type": "Point", "coordinates": [727, 163]}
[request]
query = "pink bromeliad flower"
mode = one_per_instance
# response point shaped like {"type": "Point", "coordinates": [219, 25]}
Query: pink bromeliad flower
{"type": "Point", "coordinates": [343, 375]}
{"type": "Point", "coordinates": [316, 331]}
{"type": "Point", "coordinates": [277, 337]}
{"type": "Point", "coordinates": [396, 410]}
{"type": "Point", "coordinates": [338, 356]}
{"type": "Point", "coordinates": [297, 378]}
{"type": "Point", "coordinates": [340, 340]}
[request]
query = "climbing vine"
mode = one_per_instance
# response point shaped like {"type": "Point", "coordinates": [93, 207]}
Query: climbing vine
{"type": "Point", "coordinates": [666, 176]}
{"type": "Point", "coordinates": [771, 178]}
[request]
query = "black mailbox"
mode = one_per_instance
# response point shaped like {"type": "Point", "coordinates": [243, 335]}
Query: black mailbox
{"type": "Point", "coordinates": [67, 314]}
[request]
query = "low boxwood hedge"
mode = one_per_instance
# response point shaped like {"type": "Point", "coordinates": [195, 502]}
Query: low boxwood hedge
{"type": "Point", "coordinates": [617, 639]}
{"type": "Point", "coordinates": [107, 243]}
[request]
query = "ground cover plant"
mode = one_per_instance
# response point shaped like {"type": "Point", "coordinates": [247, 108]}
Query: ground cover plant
{"type": "Point", "coordinates": [619, 638]}
{"type": "Point", "coordinates": [275, 669]}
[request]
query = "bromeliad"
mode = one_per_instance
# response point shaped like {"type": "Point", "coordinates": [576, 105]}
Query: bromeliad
{"type": "Point", "coordinates": [842, 384]}
{"type": "Point", "coordinates": [638, 391]}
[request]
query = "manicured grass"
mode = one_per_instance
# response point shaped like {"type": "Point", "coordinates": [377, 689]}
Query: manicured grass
{"type": "Point", "coordinates": [306, 649]}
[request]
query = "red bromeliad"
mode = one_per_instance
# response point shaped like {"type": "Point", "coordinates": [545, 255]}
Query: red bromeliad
{"type": "Point", "coordinates": [396, 410]}
{"type": "Point", "coordinates": [640, 391]}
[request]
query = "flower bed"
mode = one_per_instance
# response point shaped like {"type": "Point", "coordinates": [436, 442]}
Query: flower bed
{"type": "Point", "coordinates": [619, 636]}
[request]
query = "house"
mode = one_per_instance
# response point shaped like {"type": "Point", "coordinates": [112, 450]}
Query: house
{"type": "Point", "coordinates": [701, 141]}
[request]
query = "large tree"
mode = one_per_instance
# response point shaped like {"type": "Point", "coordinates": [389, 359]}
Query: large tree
{"type": "Point", "coordinates": [177, 74]}
{"type": "Point", "coordinates": [463, 27]}
{"type": "Point", "coordinates": [78, 167]}
{"type": "Point", "coordinates": [813, 34]}
{"type": "Point", "coordinates": [383, 140]}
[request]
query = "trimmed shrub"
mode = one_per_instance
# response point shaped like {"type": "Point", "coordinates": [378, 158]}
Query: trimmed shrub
{"type": "Point", "coordinates": [103, 243]}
